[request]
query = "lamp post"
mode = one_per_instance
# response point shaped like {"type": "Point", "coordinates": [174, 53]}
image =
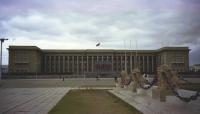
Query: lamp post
{"type": "Point", "coordinates": [2, 40]}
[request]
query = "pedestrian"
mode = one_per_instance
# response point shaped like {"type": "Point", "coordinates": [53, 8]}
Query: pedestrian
{"type": "Point", "coordinates": [97, 77]}
{"type": "Point", "coordinates": [63, 78]}
{"type": "Point", "coordinates": [115, 79]}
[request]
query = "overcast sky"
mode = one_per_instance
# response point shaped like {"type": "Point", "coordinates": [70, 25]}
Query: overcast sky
{"type": "Point", "coordinates": [81, 24]}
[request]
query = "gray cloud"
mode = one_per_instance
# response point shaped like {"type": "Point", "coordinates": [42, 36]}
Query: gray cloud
{"type": "Point", "coordinates": [81, 24]}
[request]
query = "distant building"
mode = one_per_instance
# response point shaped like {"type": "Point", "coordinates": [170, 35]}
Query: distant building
{"type": "Point", "coordinates": [195, 68]}
{"type": "Point", "coordinates": [31, 59]}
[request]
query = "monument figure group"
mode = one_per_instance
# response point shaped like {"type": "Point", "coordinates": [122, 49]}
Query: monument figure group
{"type": "Point", "coordinates": [166, 82]}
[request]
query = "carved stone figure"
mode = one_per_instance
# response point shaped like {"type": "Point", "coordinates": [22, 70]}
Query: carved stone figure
{"type": "Point", "coordinates": [124, 77]}
{"type": "Point", "coordinates": [166, 78]}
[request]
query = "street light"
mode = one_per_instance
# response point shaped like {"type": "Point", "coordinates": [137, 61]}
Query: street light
{"type": "Point", "coordinates": [2, 40]}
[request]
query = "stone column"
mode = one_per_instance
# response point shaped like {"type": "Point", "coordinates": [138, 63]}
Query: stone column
{"type": "Point", "coordinates": [68, 63]}
{"type": "Point", "coordinates": [139, 62]}
{"type": "Point", "coordinates": [54, 63]}
{"type": "Point", "coordinates": [63, 63]}
{"type": "Point", "coordinates": [59, 63]}
{"type": "Point", "coordinates": [45, 62]}
{"type": "Point", "coordinates": [73, 64]}
{"type": "Point", "coordinates": [143, 64]}
{"type": "Point", "coordinates": [117, 67]}
{"type": "Point", "coordinates": [49, 63]}
{"type": "Point", "coordinates": [77, 64]}
{"type": "Point", "coordinates": [107, 60]}
{"type": "Point", "coordinates": [125, 61]}
{"type": "Point", "coordinates": [131, 62]}
{"type": "Point", "coordinates": [82, 65]}
{"type": "Point", "coordinates": [92, 63]}
{"type": "Point", "coordinates": [101, 67]}
{"type": "Point", "coordinates": [152, 63]}
{"type": "Point", "coordinates": [148, 64]}
{"type": "Point", "coordinates": [135, 61]}
{"type": "Point", "coordinates": [87, 63]}
{"type": "Point", "coordinates": [112, 63]}
{"type": "Point", "coordinates": [121, 64]}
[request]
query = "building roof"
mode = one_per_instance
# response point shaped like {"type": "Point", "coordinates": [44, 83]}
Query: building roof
{"type": "Point", "coordinates": [95, 50]}
{"type": "Point", "coordinates": [23, 47]}
{"type": "Point", "coordinates": [174, 48]}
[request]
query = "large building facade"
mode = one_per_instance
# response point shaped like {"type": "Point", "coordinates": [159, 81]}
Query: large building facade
{"type": "Point", "coordinates": [31, 59]}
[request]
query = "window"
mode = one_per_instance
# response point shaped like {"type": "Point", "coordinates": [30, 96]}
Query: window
{"type": "Point", "coordinates": [22, 70]}
{"type": "Point", "coordinates": [177, 59]}
{"type": "Point", "coordinates": [21, 57]}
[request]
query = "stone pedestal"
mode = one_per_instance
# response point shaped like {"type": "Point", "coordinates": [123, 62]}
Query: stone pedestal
{"type": "Point", "coordinates": [141, 91]}
{"type": "Point", "coordinates": [117, 85]}
{"type": "Point", "coordinates": [130, 87]}
{"type": "Point", "coordinates": [155, 93]}
{"type": "Point", "coordinates": [163, 96]}
{"type": "Point", "coordinates": [159, 94]}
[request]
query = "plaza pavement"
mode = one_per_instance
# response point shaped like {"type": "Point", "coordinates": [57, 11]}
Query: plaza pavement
{"type": "Point", "coordinates": [29, 101]}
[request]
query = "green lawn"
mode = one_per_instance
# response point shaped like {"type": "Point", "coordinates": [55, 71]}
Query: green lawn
{"type": "Point", "coordinates": [92, 102]}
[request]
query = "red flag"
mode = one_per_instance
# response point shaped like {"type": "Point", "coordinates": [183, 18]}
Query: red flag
{"type": "Point", "coordinates": [98, 44]}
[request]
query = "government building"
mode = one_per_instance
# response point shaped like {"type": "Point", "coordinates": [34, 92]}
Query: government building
{"type": "Point", "coordinates": [31, 59]}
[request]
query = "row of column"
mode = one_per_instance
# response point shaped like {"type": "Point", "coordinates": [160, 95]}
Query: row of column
{"type": "Point", "coordinates": [51, 63]}
{"type": "Point", "coordinates": [84, 64]}
{"type": "Point", "coordinates": [147, 64]}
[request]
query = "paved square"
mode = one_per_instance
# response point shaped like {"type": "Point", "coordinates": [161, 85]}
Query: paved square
{"type": "Point", "coordinates": [29, 100]}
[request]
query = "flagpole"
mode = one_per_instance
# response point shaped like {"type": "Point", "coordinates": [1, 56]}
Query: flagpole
{"type": "Point", "coordinates": [98, 65]}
